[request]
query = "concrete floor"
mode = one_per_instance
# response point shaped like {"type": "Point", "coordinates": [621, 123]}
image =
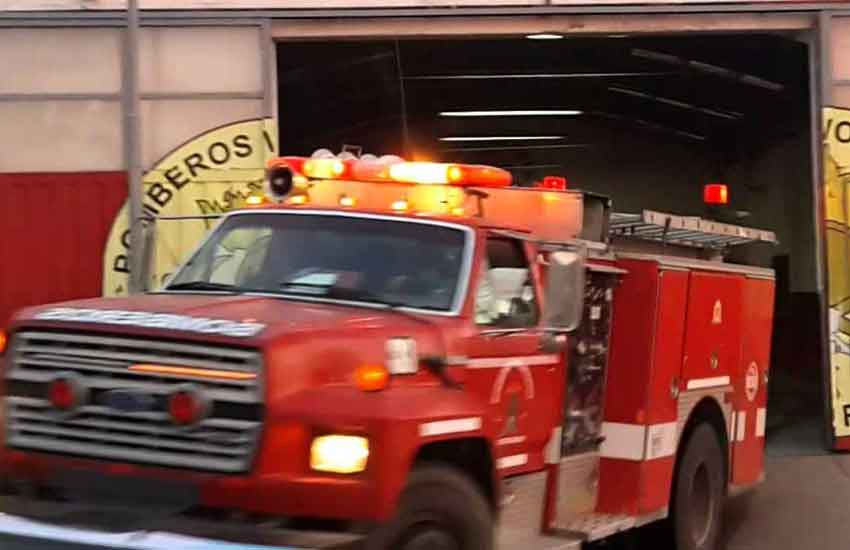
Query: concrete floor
{"type": "Point", "coordinates": [802, 505]}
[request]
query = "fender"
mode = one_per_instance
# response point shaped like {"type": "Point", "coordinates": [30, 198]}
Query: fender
{"type": "Point", "coordinates": [398, 422]}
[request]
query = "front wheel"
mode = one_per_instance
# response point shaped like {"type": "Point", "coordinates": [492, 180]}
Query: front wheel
{"type": "Point", "coordinates": [699, 492]}
{"type": "Point", "coordinates": [440, 509]}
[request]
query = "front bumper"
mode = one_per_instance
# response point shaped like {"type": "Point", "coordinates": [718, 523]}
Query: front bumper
{"type": "Point", "coordinates": [273, 495]}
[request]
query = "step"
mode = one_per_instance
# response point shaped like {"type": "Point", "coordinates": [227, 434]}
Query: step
{"type": "Point", "coordinates": [591, 527]}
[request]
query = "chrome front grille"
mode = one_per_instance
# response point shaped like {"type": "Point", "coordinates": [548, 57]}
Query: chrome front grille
{"type": "Point", "coordinates": [225, 441]}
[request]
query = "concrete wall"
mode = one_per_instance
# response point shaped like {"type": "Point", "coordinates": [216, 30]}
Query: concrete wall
{"type": "Point", "coordinates": [779, 194]}
{"type": "Point", "coordinates": [774, 186]}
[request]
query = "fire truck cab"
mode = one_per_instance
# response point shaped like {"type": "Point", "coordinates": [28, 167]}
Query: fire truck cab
{"type": "Point", "coordinates": [418, 355]}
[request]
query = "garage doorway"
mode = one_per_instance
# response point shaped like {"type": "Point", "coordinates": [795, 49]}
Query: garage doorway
{"type": "Point", "coordinates": [646, 120]}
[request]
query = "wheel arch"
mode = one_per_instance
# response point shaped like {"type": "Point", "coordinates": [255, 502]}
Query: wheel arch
{"type": "Point", "coordinates": [472, 456]}
{"type": "Point", "coordinates": [707, 411]}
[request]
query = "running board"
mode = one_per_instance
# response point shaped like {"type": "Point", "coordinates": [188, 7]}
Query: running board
{"type": "Point", "coordinates": [521, 517]}
{"type": "Point", "coordinates": [593, 527]}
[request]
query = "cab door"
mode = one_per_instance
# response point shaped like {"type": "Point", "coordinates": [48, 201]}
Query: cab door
{"type": "Point", "coordinates": [507, 366]}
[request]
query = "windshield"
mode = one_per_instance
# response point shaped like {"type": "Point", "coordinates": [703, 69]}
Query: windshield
{"type": "Point", "coordinates": [379, 260]}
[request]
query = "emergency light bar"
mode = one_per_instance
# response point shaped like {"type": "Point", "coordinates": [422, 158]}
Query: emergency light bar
{"type": "Point", "coordinates": [392, 184]}
{"type": "Point", "coordinates": [395, 170]}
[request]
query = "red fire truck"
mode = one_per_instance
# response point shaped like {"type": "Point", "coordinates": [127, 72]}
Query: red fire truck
{"type": "Point", "coordinates": [417, 355]}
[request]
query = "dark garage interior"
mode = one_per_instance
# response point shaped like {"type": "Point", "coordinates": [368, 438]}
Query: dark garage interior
{"type": "Point", "coordinates": [646, 120]}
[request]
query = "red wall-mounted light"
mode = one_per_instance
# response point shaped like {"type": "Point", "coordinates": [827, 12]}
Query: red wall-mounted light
{"type": "Point", "coordinates": [556, 183]}
{"type": "Point", "coordinates": [715, 193]}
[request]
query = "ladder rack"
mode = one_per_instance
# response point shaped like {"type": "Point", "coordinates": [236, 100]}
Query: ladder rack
{"type": "Point", "coordinates": [691, 231]}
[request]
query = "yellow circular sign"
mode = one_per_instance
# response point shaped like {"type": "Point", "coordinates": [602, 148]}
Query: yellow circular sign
{"type": "Point", "coordinates": [207, 176]}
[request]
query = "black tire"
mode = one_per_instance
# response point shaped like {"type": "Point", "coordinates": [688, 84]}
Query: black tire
{"type": "Point", "coordinates": [699, 492]}
{"type": "Point", "coordinates": [439, 509]}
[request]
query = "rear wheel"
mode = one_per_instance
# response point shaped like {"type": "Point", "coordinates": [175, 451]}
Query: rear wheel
{"type": "Point", "coordinates": [699, 492]}
{"type": "Point", "coordinates": [440, 509]}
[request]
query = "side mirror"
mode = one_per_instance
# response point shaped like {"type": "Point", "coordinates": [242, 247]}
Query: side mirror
{"type": "Point", "coordinates": [564, 290]}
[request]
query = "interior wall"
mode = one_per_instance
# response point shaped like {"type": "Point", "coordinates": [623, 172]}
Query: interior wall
{"type": "Point", "coordinates": [632, 169]}
{"type": "Point", "coordinates": [775, 188]}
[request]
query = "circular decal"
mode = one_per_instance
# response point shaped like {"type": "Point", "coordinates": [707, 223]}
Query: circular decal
{"type": "Point", "coordinates": [208, 175]}
{"type": "Point", "coordinates": [751, 382]}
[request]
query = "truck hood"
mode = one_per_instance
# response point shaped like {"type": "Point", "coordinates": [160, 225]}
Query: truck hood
{"type": "Point", "coordinates": [262, 319]}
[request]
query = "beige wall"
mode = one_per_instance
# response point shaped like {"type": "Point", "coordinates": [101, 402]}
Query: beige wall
{"type": "Point", "coordinates": [284, 4]}
{"type": "Point", "coordinates": [247, 4]}
{"type": "Point", "coordinates": [52, 134]}
{"type": "Point", "coordinates": [60, 104]}
{"type": "Point", "coordinates": [840, 57]}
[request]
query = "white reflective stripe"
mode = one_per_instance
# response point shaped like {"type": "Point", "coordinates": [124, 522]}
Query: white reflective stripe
{"type": "Point", "coordinates": [512, 461]}
{"type": "Point", "coordinates": [442, 427]}
{"type": "Point", "coordinates": [637, 441]}
{"type": "Point", "coordinates": [517, 361]}
{"type": "Point", "coordinates": [552, 452]}
{"type": "Point", "coordinates": [761, 421]}
{"type": "Point", "coordinates": [513, 440]}
{"type": "Point", "coordinates": [661, 440]}
{"type": "Point", "coordinates": [740, 425]}
{"type": "Point", "coordinates": [703, 383]}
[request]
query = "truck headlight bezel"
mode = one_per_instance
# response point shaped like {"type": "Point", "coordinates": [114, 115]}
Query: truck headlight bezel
{"type": "Point", "coordinates": [339, 454]}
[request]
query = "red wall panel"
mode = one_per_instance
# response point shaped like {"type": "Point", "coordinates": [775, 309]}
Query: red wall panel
{"type": "Point", "coordinates": [53, 229]}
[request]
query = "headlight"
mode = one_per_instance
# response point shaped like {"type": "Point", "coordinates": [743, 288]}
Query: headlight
{"type": "Point", "coordinates": [340, 454]}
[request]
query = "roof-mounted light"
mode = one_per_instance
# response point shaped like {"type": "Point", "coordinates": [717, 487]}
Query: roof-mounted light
{"type": "Point", "coordinates": [434, 173]}
{"type": "Point", "coordinates": [715, 194]}
{"type": "Point", "coordinates": [390, 168]}
{"type": "Point", "coordinates": [556, 183]}
{"type": "Point", "coordinates": [425, 172]}
{"type": "Point", "coordinates": [324, 168]}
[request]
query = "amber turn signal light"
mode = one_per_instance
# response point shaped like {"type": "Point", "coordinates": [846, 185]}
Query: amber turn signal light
{"type": "Point", "coordinates": [3, 340]}
{"type": "Point", "coordinates": [372, 377]}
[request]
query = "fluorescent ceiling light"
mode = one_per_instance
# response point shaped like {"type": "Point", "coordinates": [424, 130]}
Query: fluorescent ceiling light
{"type": "Point", "coordinates": [500, 138]}
{"type": "Point", "coordinates": [516, 148]}
{"type": "Point", "coordinates": [544, 36]}
{"type": "Point", "coordinates": [552, 112]}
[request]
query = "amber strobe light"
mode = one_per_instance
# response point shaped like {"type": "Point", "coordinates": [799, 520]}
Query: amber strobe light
{"type": "Point", "coordinates": [715, 193]}
{"type": "Point", "coordinates": [3, 340]}
{"type": "Point", "coordinates": [372, 377]}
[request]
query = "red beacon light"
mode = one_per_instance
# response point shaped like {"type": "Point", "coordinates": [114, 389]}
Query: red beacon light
{"type": "Point", "coordinates": [187, 406]}
{"type": "Point", "coordinates": [716, 194]}
{"type": "Point", "coordinates": [553, 183]}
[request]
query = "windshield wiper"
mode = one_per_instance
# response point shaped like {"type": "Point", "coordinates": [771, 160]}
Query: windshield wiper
{"type": "Point", "coordinates": [203, 285]}
{"type": "Point", "coordinates": [341, 293]}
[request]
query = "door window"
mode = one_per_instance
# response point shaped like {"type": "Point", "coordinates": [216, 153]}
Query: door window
{"type": "Point", "coordinates": [505, 296]}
